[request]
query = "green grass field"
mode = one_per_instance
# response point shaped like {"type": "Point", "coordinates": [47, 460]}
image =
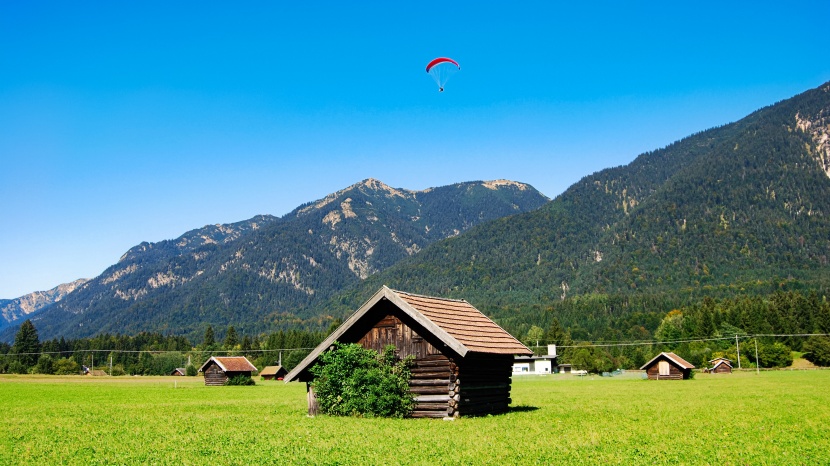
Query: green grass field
{"type": "Point", "coordinates": [772, 418]}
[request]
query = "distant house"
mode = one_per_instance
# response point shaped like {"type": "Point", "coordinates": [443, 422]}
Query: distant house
{"type": "Point", "coordinates": [273, 373]}
{"type": "Point", "coordinates": [218, 369]}
{"type": "Point", "coordinates": [538, 365]}
{"type": "Point", "coordinates": [462, 360]}
{"type": "Point", "coordinates": [668, 366]}
{"type": "Point", "coordinates": [721, 366]}
{"type": "Point", "coordinates": [179, 371]}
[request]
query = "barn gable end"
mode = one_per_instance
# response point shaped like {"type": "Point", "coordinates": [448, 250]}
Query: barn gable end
{"type": "Point", "coordinates": [462, 359]}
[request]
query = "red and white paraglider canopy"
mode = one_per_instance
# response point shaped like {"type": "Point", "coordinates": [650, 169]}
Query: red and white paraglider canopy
{"type": "Point", "coordinates": [441, 69]}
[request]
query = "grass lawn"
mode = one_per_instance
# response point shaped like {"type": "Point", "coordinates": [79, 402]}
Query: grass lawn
{"type": "Point", "coordinates": [780, 417]}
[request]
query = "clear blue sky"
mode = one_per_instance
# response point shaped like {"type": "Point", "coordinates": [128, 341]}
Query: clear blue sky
{"type": "Point", "coordinates": [123, 122]}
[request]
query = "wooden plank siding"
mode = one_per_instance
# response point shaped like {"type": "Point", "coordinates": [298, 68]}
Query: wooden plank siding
{"type": "Point", "coordinates": [214, 376]}
{"type": "Point", "coordinates": [674, 373]}
{"type": "Point", "coordinates": [431, 370]}
{"type": "Point", "coordinates": [722, 369]}
{"type": "Point", "coordinates": [483, 385]}
{"type": "Point", "coordinates": [390, 330]}
{"type": "Point", "coordinates": [436, 378]}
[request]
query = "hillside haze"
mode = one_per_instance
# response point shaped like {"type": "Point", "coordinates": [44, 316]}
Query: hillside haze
{"type": "Point", "coordinates": [259, 273]}
{"type": "Point", "coordinates": [742, 208]}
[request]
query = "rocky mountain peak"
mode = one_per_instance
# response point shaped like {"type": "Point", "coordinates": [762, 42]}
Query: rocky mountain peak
{"type": "Point", "coordinates": [20, 307]}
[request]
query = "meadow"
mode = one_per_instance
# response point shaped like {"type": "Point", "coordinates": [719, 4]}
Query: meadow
{"type": "Point", "coordinates": [777, 417]}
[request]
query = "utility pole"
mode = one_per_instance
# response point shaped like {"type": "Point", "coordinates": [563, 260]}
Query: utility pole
{"type": "Point", "coordinates": [757, 370]}
{"type": "Point", "coordinates": [738, 350]}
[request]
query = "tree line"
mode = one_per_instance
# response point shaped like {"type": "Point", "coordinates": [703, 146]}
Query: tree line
{"type": "Point", "coordinates": [150, 353]}
{"type": "Point", "coordinates": [780, 324]}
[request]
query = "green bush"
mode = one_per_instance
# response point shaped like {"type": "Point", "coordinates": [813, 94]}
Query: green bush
{"type": "Point", "coordinates": [191, 370]}
{"type": "Point", "coordinates": [240, 380]}
{"type": "Point", "coordinates": [17, 367]}
{"type": "Point", "coordinates": [66, 366]}
{"type": "Point", "coordinates": [817, 350]}
{"type": "Point", "coordinates": [774, 355]}
{"type": "Point", "coordinates": [354, 381]}
{"type": "Point", "coordinates": [45, 365]}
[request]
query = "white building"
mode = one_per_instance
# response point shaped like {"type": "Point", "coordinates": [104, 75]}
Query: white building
{"type": "Point", "coordinates": [536, 364]}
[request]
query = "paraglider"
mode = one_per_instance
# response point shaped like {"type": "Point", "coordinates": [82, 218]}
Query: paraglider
{"type": "Point", "coordinates": [441, 69]}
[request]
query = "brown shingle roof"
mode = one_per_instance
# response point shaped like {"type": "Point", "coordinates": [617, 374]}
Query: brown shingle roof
{"type": "Point", "coordinates": [466, 324]}
{"type": "Point", "coordinates": [677, 360]}
{"type": "Point", "coordinates": [271, 370]}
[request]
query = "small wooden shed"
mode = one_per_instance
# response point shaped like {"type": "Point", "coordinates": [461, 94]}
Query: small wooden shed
{"type": "Point", "coordinates": [179, 371]}
{"type": "Point", "coordinates": [721, 366]}
{"type": "Point", "coordinates": [668, 366]}
{"type": "Point", "coordinates": [273, 373]}
{"type": "Point", "coordinates": [463, 360]}
{"type": "Point", "coordinates": [218, 369]}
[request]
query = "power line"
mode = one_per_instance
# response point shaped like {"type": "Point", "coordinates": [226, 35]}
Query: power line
{"type": "Point", "coordinates": [745, 336]}
{"type": "Point", "coordinates": [157, 351]}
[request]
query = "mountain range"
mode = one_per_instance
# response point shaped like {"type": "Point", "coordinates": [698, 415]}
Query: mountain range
{"type": "Point", "coordinates": [257, 274]}
{"type": "Point", "coordinates": [743, 208]}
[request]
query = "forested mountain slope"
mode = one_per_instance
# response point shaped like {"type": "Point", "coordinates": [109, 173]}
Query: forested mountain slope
{"type": "Point", "coordinates": [742, 208]}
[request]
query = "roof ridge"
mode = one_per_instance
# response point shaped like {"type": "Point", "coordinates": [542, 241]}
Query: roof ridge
{"type": "Point", "coordinates": [430, 297]}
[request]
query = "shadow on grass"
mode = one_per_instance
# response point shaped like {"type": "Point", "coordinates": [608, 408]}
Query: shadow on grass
{"type": "Point", "coordinates": [510, 409]}
{"type": "Point", "coordinates": [522, 409]}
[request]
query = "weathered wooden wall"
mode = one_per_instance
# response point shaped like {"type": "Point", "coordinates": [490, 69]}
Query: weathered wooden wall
{"type": "Point", "coordinates": [675, 373]}
{"type": "Point", "coordinates": [391, 331]}
{"type": "Point", "coordinates": [483, 385]}
{"type": "Point", "coordinates": [432, 382]}
{"type": "Point", "coordinates": [445, 386]}
{"type": "Point", "coordinates": [214, 375]}
{"type": "Point", "coordinates": [722, 369]}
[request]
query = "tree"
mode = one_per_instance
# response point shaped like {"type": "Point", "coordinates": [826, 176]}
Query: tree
{"type": "Point", "coordinates": [352, 380]}
{"type": "Point", "coordinates": [817, 350]}
{"type": "Point", "coordinates": [209, 339]}
{"type": "Point", "coordinates": [27, 344]}
{"type": "Point", "coordinates": [45, 365]}
{"type": "Point", "coordinates": [671, 327]}
{"type": "Point", "coordinates": [774, 355]}
{"type": "Point", "coordinates": [66, 366]}
{"type": "Point", "coordinates": [707, 323]}
{"type": "Point", "coordinates": [534, 335]}
{"type": "Point", "coordinates": [231, 339]}
{"type": "Point", "coordinates": [556, 335]}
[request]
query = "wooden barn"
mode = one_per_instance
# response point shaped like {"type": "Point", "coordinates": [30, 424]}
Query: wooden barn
{"type": "Point", "coordinates": [668, 366]}
{"type": "Point", "coordinates": [463, 360]}
{"type": "Point", "coordinates": [218, 369]}
{"type": "Point", "coordinates": [721, 366]}
{"type": "Point", "coordinates": [179, 371]}
{"type": "Point", "coordinates": [273, 373]}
